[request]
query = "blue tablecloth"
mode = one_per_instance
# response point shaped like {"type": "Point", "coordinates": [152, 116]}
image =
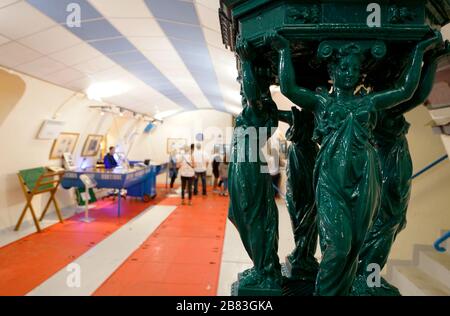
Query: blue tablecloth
{"type": "Point", "coordinates": [138, 181]}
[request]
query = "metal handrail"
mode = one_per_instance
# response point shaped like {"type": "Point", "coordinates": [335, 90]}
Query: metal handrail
{"type": "Point", "coordinates": [437, 243]}
{"type": "Point", "coordinates": [430, 166]}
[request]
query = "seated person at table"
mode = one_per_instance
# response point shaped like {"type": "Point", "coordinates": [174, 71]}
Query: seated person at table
{"type": "Point", "coordinates": [109, 160]}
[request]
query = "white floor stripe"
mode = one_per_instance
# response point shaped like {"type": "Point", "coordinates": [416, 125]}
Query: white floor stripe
{"type": "Point", "coordinates": [96, 265]}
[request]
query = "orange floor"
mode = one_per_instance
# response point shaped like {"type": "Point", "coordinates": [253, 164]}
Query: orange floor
{"type": "Point", "coordinates": [29, 261]}
{"type": "Point", "coordinates": [182, 257]}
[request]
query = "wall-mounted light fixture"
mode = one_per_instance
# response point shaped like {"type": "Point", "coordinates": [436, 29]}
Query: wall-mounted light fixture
{"type": "Point", "coordinates": [121, 111]}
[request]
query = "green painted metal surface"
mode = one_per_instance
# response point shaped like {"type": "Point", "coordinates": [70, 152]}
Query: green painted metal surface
{"type": "Point", "coordinates": [396, 166]}
{"type": "Point", "coordinates": [252, 209]}
{"type": "Point", "coordinates": [354, 67]}
{"type": "Point", "coordinates": [402, 20]}
{"type": "Point", "coordinates": [300, 197]}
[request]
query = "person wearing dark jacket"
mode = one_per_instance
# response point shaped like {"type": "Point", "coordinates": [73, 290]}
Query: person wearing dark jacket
{"type": "Point", "coordinates": [109, 160]}
{"type": "Point", "coordinates": [215, 169]}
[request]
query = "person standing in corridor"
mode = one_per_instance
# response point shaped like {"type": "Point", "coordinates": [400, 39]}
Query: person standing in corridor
{"type": "Point", "coordinates": [187, 173]}
{"type": "Point", "coordinates": [223, 172]}
{"type": "Point", "coordinates": [200, 167]}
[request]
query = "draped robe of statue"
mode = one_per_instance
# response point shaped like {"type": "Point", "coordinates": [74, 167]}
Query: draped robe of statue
{"type": "Point", "coordinates": [379, 47]}
{"type": "Point", "coordinates": [396, 164]}
{"type": "Point", "coordinates": [252, 206]}
{"type": "Point", "coordinates": [347, 171]}
{"type": "Point", "coordinates": [300, 196]}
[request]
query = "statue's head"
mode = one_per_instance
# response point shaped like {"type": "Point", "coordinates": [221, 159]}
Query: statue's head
{"type": "Point", "coordinates": [345, 67]}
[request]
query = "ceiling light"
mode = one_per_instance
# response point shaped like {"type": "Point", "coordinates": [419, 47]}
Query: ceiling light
{"type": "Point", "coordinates": [162, 115]}
{"type": "Point", "coordinates": [97, 91]}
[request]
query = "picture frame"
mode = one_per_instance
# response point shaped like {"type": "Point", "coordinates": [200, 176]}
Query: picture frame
{"type": "Point", "coordinates": [64, 143]}
{"type": "Point", "coordinates": [199, 137]}
{"type": "Point", "coordinates": [176, 144]}
{"type": "Point", "coordinates": [92, 145]}
{"type": "Point", "coordinates": [50, 129]}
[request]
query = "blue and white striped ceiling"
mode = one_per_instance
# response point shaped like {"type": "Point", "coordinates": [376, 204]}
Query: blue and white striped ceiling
{"type": "Point", "coordinates": [187, 37]}
{"type": "Point", "coordinates": [168, 51]}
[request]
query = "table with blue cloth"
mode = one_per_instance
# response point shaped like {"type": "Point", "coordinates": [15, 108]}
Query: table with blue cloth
{"type": "Point", "coordinates": [139, 181]}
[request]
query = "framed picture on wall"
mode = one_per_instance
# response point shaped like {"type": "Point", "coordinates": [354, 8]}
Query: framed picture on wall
{"type": "Point", "coordinates": [64, 143]}
{"type": "Point", "coordinates": [199, 137]}
{"type": "Point", "coordinates": [177, 144]}
{"type": "Point", "coordinates": [50, 129]}
{"type": "Point", "coordinates": [92, 145]}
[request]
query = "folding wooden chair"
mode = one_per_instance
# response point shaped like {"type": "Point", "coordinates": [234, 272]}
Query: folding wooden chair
{"type": "Point", "coordinates": [38, 181]}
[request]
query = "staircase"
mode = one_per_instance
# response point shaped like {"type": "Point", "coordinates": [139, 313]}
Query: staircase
{"type": "Point", "coordinates": [428, 274]}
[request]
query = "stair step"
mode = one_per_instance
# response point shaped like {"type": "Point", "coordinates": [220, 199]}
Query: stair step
{"type": "Point", "coordinates": [436, 265]}
{"type": "Point", "coordinates": [412, 281]}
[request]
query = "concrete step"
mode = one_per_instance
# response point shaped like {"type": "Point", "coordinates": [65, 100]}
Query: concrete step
{"type": "Point", "coordinates": [436, 265]}
{"type": "Point", "coordinates": [412, 281]}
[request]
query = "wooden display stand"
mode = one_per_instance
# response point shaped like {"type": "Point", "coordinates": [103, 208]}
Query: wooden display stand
{"type": "Point", "coordinates": [38, 181]}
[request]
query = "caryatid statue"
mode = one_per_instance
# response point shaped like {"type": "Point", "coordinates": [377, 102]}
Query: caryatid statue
{"type": "Point", "coordinates": [337, 45]}
{"type": "Point", "coordinates": [253, 210]}
{"type": "Point", "coordinates": [396, 165]}
{"type": "Point", "coordinates": [347, 170]}
{"type": "Point", "coordinates": [300, 196]}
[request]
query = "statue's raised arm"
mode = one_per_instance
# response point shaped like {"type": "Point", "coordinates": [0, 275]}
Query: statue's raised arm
{"type": "Point", "coordinates": [298, 95]}
{"type": "Point", "coordinates": [250, 86]}
{"type": "Point", "coordinates": [426, 81]}
{"type": "Point", "coordinates": [406, 89]}
{"type": "Point", "coordinates": [285, 116]}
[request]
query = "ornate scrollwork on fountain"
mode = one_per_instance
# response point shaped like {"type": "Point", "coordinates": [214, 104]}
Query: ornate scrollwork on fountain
{"type": "Point", "coordinates": [401, 15]}
{"type": "Point", "coordinates": [303, 14]}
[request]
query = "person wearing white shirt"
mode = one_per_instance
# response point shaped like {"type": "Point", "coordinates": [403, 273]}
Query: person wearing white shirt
{"type": "Point", "coordinates": [201, 162]}
{"type": "Point", "coordinates": [187, 173]}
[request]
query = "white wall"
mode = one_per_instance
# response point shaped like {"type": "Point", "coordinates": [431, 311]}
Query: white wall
{"type": "Point", "coordinates": [216, 127]}
{"type": "Point", "coordinates": [429, 208]}
{"type": "Point", "coordinates": [20, 148]}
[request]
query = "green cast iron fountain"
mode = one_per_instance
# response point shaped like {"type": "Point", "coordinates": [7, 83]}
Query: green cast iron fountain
{"type": "Point", "coordinates": [354, 67]}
